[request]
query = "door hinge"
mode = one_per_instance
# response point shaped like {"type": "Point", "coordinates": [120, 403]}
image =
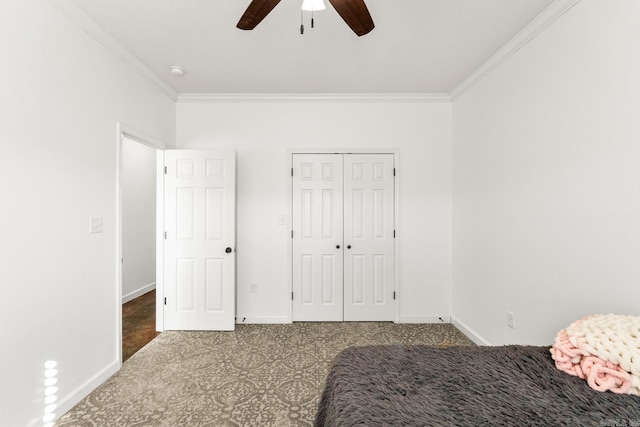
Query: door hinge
{"type": "Point", "coordinates": [292, 234]}
{"type": "Point", "coordinates": [165, 300]}
{"type": "Point", "coordinates": [394, 295]}
{"type": "Point", "coordinates": [394, 171]}
{"type": "Point", "coordinates": [394, 234]}
{"type": "Point", "coordinates": [291, 171]}
{"type": "Point", "coordinates": [165, 170]}
{"type": "Point", "coordinates": [165, 235]}
{"type": "Point", "coordinates": [291, 296]}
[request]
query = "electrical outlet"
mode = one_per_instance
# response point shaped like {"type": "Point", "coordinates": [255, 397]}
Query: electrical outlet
{"type": "Point", "coordinates": [254, 288]}
{"type": "Point", "coordinates": [511, 320]}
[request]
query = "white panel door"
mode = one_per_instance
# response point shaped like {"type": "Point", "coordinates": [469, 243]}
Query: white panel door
{"type": "Point", "coordinates": [199, 246]}
{"type": "Point", "coordinates": [317, 237]}
{"type": "Point", "coordinates": [368, 237]}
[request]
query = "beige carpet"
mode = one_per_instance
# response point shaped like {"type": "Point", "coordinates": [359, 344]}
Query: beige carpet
{"type": "Point", "coordinates": [259, 375]}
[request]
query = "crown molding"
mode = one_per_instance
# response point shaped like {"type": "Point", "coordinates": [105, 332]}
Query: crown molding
{"type": "Point", "coordinates": [549, 15]}
{"type": "Point", "coordinates": [91, 27]}
{"type": "Point", "coordinates": [314, 97]}
{"type": "Point", "coordinates": [545, 18]}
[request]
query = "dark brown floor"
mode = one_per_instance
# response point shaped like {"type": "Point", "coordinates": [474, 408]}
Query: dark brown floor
{"type": "Point", "coordinates": [138, 323]}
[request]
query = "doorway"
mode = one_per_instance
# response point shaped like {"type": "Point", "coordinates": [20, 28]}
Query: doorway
{"type": "Point", "coordinates": [138, 209]}
{"type": "Point", "coordinates": [343, 237]}
{"type": "Point", "coordinates": [137, 177]}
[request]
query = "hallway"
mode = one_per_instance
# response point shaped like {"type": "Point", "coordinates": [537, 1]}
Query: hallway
{"type": "Point", "coordinates": [138, 323]}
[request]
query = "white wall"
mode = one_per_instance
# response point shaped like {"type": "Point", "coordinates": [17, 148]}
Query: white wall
{"type": "Point", "coordinates": [546, 150]}
{"type": "Point", "coordinates": [261, 133]}
{"type": "Point", "coordinates": [138, 219]}
{"type": "Point", "coordinates": [62, 94]}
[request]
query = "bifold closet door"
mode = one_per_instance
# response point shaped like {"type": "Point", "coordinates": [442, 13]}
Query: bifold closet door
{"type": "Point", "coordinates": [317, 237]}
{"type": "Point", "coordinates": [343, 225]}
{"type": "Point", "coordinates": [368, 237]}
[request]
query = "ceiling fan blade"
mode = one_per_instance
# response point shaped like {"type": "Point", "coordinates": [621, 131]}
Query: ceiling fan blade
{"type": "Point", "coordinates": [355, 14]}
{"type": "Point", "coordinates": [255, 13]}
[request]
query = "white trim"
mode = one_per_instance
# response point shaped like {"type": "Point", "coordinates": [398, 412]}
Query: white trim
{"type": "Point", "coordinates": [547, 17]}
{"type": "Point", "coordinates": [424, 319]}
{"type": "Point", "coordinates": [138, 136]}
{"type": "Point", "coordinates": [289, 230]}
{"type": "Point", "coordinates": [160, 241]}
{"type": "Point", "coordinates": [314, 97]}
{"type": "Point", "coordinates": [138, 292]}
{"type": "Point", "coordinates": [262, 320]}
{"type": "Point", "coordinates": [118, 242]}
{"type": "Point", "coordinates": [470, 333]}
{"type": "Point", "coordinates": [338, 150]}
{"type": "Point", "coordinates": [65, 404]}
{"type": "Point", "coordinates": [396, 227]}
{"type": "Point", "coordinates": [91, 27]}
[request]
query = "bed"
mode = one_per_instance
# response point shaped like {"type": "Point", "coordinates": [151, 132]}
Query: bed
{"type": "Point", "coordinates": [463, 386]}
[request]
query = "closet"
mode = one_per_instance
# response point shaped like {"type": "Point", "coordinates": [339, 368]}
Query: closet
{"type": "Point", "coordinates": [343, 237]}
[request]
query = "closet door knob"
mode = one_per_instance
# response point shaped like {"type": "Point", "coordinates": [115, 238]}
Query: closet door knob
{"type": "Point", "coordinates": [348, 246]}
{"type": "Point", "coordinates": [228, 250]}
{"type": "Point", "coordinates": [337, 246]}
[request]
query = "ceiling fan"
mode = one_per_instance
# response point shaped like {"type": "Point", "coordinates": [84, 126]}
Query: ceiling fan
{"type": "Point", "coordinates": [354, 13]}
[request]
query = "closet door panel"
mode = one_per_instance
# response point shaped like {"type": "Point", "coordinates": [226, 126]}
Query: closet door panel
{"type": "Point", "coordinates": [317, 225]}
{"type": "Point", "coordinates": [368, 237]}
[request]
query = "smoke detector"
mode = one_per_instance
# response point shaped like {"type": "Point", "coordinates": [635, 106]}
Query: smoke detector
{"type": "Point", "coordinates": [176, 70]}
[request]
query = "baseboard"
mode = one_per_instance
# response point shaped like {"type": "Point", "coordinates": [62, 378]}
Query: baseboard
{"type": "Point", "coordinates": [240, 320]}
{"type": "Point", "coordinates": [68, 402]}
{"type": "Point", "coordinates": [470, 333]}
{"type": "Point", "coordinates": [285, 319]}
{"type": "Point", "coordinates": [424, 319]}
{"type": "Point", "coordinates": [138, 292]}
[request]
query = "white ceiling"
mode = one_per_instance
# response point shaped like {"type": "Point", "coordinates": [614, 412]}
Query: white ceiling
{"type": "Point", "coordinates": [418, 46]}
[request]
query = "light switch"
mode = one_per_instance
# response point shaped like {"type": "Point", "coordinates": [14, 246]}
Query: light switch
{"type": "Point", "coordinates": [281, 220]}
{"type": "Point", "coordinates": [95, 224]}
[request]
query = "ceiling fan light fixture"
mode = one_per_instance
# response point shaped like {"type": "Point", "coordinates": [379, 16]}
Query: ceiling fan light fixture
{"type": "Point", "coordinates": [313, 5]}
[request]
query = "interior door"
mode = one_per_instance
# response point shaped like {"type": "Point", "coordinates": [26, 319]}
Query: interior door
{"type": "Point", "coordinates": [368, 237]}
{"type": "Point", "coordinates": [199, 245]}
{"type": "Point", "coordinates": [317, 237]}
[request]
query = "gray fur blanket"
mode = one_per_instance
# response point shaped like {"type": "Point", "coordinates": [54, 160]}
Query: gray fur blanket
{"type": "Point", "coordinates": [463, 386]}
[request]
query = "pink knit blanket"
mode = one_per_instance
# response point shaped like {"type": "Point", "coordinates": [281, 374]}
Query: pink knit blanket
{"type": "Point", "coordinates": [603, 349]}
{"type": "Point", "coordinates": [576, 358]}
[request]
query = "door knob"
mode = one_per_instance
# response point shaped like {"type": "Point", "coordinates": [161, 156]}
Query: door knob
{"type": "Point", "coordinates": [348, 246]}
{"type": "Point", "coordinates": [228, 250]}
{"type": "Point", "coordinates": [337, 246]}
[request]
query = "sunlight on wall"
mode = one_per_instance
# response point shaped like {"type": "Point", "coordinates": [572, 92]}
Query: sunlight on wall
{"type": "Point", "coordinates": [50, 392]}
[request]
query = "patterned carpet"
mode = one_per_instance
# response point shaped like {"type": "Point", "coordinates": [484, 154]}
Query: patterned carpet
{"type": "Point", "coordinates": [259, 375]}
